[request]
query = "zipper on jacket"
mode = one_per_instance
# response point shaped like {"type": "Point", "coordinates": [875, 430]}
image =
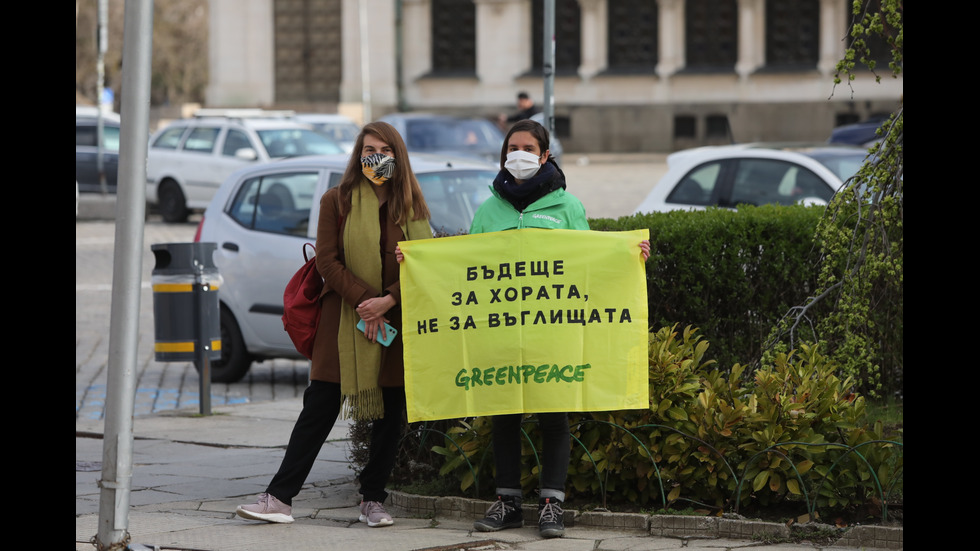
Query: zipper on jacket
{"type": "Point", "coordinates": [520, 220]}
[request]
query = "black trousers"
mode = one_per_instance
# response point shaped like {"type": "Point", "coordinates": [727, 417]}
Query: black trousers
{"type": "Point", "coordinates": [554, 458]}
{"type": "Point", "coordinates": [321, 407]}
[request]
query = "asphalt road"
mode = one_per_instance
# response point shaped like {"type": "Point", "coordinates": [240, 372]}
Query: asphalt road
{"type": "Point", "coordinates": [609, 186]}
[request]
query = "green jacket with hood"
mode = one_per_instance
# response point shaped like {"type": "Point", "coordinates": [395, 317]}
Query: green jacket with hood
{"type": "Point", "coordinates": [556, 210]}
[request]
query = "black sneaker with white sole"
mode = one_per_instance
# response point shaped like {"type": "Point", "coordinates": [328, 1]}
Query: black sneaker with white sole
{"type": "Point", "coordinates": [504, 513]}
{"type": "Point", "coordinates": [551, 518]}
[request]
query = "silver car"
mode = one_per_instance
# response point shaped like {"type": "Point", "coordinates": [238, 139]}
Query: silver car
{"type": "Point", "coordinates": [261, 217]}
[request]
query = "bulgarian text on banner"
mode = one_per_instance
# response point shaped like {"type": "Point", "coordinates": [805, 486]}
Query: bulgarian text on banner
{"type": "Point", "coordinates": [525, 321]}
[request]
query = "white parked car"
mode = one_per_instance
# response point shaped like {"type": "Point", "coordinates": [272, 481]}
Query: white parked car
{"type": "Point", "coordinates": [753, 174]}
{"type": "Point", "coordinates": [189, 158]}
{"type": "Point", "coordinates": [262, 216]}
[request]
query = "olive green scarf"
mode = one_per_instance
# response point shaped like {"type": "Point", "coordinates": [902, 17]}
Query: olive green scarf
{"type": "Point", "coordinates": [360, 359]}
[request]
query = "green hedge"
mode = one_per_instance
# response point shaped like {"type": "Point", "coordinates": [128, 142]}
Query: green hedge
{"type": "Point", "coordinates": [732, 274]}
{"type": "Point", "coordinates": [792, 434]}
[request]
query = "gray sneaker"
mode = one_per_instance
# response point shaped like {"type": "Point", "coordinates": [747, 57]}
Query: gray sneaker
{"type": "Point", "coordinates": [374, 514]}
{"type": "Point", "coordinates": [267, 508]}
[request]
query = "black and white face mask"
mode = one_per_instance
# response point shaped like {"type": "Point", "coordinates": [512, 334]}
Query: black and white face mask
{"type": "Point", "coordinates": [378, 167]}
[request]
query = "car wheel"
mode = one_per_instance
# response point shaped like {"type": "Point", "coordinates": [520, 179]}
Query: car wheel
{"type": "Point", "coordinates": [235, 360]}
{"type": "Point", "coordinates": [173, 206]}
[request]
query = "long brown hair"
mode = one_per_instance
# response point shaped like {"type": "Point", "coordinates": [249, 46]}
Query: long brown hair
{"type": "Point", "coordinates": [404, 194]}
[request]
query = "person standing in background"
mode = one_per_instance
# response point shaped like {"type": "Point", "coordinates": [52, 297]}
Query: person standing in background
{"type": "Point", "coordinates": [525, 110]}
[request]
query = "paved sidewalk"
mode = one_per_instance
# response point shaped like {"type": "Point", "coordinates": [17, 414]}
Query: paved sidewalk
{"type": "Point", "coordinates": [191, 471]}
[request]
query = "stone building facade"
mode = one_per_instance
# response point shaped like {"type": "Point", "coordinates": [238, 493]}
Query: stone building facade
{"type": "Point", "coordinates": [629, 75]}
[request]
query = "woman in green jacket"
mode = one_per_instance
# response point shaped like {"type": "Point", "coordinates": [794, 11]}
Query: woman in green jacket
{"type": "Point", "coordinates": [529, 192]}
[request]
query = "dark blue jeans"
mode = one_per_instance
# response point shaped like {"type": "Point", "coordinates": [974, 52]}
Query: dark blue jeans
{"type": "Point", "coordinates": [554, 457]}
{"type": "Point", "coordinates": [321, 407]}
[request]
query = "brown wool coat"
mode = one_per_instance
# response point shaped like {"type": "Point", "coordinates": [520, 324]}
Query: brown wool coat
{"type": "Point", "coordinates": [343, 285]}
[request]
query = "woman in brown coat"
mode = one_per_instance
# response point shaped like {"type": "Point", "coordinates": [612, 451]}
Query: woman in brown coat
{"type": "Point", "coordinates": [377, 204]}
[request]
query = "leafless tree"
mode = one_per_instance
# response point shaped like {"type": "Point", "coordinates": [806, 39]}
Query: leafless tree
{"type": "Point", "coordinates": [180, 45]}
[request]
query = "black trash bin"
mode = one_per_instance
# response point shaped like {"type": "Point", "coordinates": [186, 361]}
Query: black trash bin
{"type": "Point", "coordinates": [185, 303]}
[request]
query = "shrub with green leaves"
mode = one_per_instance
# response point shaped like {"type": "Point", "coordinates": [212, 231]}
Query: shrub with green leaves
{"type": "Point", "coordinates": [791, 431]}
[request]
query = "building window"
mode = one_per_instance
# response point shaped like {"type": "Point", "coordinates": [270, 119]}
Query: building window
{"type": "Point", "coordinates": [792, 33]}
{"type": "Point", "coordinates": [568, 45]}
{"type": "Point", "coordinates": [845, 118]}
{"type": "Point", "coordinates": [711, 35]}
{"type": "Point", "coordinates": [453, 37]}
{"type": "Point", "coordinates": [685, 126]}
{"type": "Point", "coordinates": [716, 127]}
{"type": "Point", "coordinates": [632, 35]}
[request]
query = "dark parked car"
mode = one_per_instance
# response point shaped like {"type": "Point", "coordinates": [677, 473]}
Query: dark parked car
{"type": "Point", "coordinates": [863, 133]}
{"type": "Point", "coordinates": [475, 138]}
{"type": "Point", "coordinates": [87, 153]}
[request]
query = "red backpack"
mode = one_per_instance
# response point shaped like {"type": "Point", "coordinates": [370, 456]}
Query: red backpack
{"type": "Point", "coordinates": [301, 305]}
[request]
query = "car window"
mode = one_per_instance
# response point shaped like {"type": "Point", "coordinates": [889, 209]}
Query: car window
{"type": "Point", "coordinates": [844, 166]}
{"type": "Point", "coordinates": [338, 132]}
{"type": "Point", "coordinates": [110, 138]}
{"type": "Point", "coordinates": [453, 197]}
{"type": "Point", "coordinates": [698, 186]}
{"type": "Point", "coordinates": [808, 185]}
{"type": "Point", "coordinates": [765, 181]}
{"type": "Point", "coordinates": [201, 139]}
{"type": "Point", "coordinates": [85, 135]}
{"type": "Point", "coordinates": [334, 179]}
{"type": "Point", "coordinates": [477, 133]}
{"type": "Point", "coordinates": [276, 203]}
{"type": "Point", "coordinates": [449, 134]}
{"type": "Point", "coordinates": [292, 142]}
{"type": "Point", "coordinates": [234, 140]}
{"type": "Point", "coordinates": [757, 181]}
{"type": "Point", "coordinates": [169, 138]}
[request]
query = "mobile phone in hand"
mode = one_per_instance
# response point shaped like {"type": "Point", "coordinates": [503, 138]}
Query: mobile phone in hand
{"type": "Point", "coordinates": [389, 331]}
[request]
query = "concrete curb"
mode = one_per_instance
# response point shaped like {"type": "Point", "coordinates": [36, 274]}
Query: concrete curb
{"type": "Point", "coordinates": [95, 206]}
{"type": "Point", "coordinates": [674, 526]}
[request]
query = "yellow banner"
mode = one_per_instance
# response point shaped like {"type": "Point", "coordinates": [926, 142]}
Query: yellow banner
{"type": "Point", "coordinates": [526, 321]}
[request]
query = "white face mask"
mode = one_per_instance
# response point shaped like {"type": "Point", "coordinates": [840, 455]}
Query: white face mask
{"type": "Point", "coordinates": [522, 165]}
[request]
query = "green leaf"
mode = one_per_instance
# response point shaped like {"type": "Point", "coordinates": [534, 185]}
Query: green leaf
{"type": "Point", "coordinates": [804, 466]}
{"type": "Point", "coordinates": [677, 413]}
{"type": "Point", "coordinates": [793, 486]}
